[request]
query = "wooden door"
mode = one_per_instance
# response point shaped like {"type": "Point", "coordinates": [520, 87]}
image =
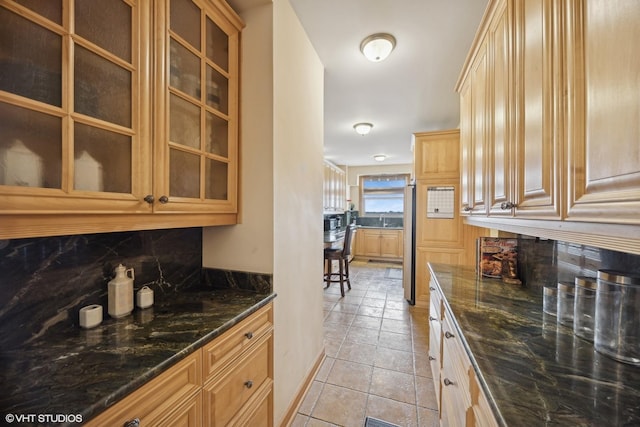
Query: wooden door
{"type": "Point", "coordinates": [390, 244]}
{"type": "Point", "coordinates": [604, 111]}
{"type": "Point", "coordinates": [196, 156]}
{"type": "Point", "coordinates": [466, 146]}
{"type": "Point", "coordinates": [479, 128]}
{"type": "Point", "coordinates": [371, 242]}
{"type": "Point", "coordinates": [500, 148]}
{"type": "Point", "coordinates": [538, 108]}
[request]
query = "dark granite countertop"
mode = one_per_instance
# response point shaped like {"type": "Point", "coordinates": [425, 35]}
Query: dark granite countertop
{"type": "Point", "coordinates": [535, 372]}
{"type": "Point", "coordinates": [75, 371]}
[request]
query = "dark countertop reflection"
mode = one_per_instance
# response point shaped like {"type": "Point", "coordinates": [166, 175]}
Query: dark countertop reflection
{"type": "Point", "coordinates": [535, 371]}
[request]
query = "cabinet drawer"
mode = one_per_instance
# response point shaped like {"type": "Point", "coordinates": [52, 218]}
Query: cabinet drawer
{"type": "Point", "coordinates": [455, 363]}
{"type": "Point", "coordinates": [154, 400]}
{"type": "Point", "coordinates": [224, 397]}
{"type": "Point", "coordinates": [233, 342]}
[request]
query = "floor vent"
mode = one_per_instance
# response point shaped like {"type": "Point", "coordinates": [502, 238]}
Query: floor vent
{"type": "Point", "coordinates": [374, 422]}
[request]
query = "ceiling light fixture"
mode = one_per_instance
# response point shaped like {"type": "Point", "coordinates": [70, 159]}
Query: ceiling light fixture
{"type": "Point", "coordinates": [379, 157]}
{"type": "Point", "coordinates": [378, 46]}
{"type": "Point", "coordinates": [363, 128]}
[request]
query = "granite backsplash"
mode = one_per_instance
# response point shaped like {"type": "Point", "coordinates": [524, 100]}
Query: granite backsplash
{"type": "Point", "coordinates": [45, 281]}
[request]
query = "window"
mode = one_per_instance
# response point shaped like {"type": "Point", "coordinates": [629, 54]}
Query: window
{"type": "Point", "coordinates": [382, 194]}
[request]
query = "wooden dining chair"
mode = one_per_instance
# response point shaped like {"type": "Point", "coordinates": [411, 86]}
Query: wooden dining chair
{"type": "Point", "coordinates": [342, 256]}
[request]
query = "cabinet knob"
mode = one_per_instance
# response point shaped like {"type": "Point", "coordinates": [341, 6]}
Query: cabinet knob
{"type": "Point", "coordinates": [149, 198]}
{"type": "Point", "coordinates": [467, 209]}
{"type": "Point", "coordinates": [432, 288]}
{"type": "Point", "coordinates": [249, 335]}
{"type": "Point", "coordinates": [432, 318]}
{"type": "Point", "coordinates": [133, 423]}
{"type": "Point", "coordinates": [163, 199]}
{"type": "Point", "coordinates": [449, 334]}
{"type": "Point", "coordinates": [447, 381]}
{"type": "Point", "coordinates": [507, 205]}
{"type": "Point", "coordinates": [432, 358]}
{"type": "Point", "coordinates": [248, 384]}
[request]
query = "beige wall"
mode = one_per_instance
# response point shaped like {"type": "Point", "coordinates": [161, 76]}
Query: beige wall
{"type": "Point", "coordinates": [282, 175]}
{"type": "Point", "coordinates": [249, 245]}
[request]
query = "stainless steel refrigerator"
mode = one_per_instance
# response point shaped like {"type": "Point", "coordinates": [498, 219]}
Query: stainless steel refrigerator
{"type": "Point", "coordinates": [409, 252]}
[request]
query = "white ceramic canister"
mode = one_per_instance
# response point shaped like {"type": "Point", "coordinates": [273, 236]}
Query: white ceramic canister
{"type": "Point", "coordinates": [144, 297]}
{"type": "Point", "coordinates": [121, 292]}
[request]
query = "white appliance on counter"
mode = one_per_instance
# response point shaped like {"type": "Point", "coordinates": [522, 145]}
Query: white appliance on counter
{"type": "Point", "coordinates": [409, 260]}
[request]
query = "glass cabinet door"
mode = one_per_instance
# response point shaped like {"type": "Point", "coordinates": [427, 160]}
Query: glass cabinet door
{"type": "Point", "coordinates": [201, 125]}
{"type": "Point", "coordinates": [69, 102]}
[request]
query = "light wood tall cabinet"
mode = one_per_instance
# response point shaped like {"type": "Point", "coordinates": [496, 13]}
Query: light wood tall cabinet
{"type": "Point", "coordinates": [111, 114]}
{"type": "Point", "coordinates": [439, 238]}
{"type": "Point", "coordinates": [561, 156]}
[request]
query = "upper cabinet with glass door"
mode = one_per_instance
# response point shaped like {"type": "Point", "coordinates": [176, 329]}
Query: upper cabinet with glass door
{"type": "Point", "coordinates": [197, 144]}
{"type": "Point", "coordinates": [72, 102]}
{"type": "Point", "coordinates": [117, 110]}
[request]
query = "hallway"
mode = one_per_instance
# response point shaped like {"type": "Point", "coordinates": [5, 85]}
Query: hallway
{"type": "Point", "coordinates": [376, 356]}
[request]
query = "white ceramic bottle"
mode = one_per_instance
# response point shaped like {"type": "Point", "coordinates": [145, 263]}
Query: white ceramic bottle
{"type": "Point", "coordinates": [121, 292]}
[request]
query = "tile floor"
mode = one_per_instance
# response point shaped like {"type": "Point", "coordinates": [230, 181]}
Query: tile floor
{"type": "Point", "coordinates": [376, 357]}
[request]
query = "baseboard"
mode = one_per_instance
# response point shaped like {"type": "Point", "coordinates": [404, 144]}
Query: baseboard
{"type": "Point", "coordinates": [297, 401]}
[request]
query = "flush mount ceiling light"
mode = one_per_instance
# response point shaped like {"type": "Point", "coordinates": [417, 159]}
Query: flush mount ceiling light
{"type": "Point", "coordinates": [363, 128]}
{"type": "Point", "coordinates": [378, 46]}
{"type": "Point", "coordinates": [379, 157]}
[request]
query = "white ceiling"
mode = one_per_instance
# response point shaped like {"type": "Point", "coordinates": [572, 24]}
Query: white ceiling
{"type": "Point", "coordinates": [411, 91]}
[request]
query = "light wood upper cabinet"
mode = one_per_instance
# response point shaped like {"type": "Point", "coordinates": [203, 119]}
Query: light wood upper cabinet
{"type": "Point", "coordinates": [436, 154]}
{"type": "Point", "coordinates": [335, 189]}
{"type": "Point", "coordinates": [74, 124]}
{"type": "Point", "coordinates": [538, 105]}
{"type": "Point", "coordinates": [500, 145]}
{"type": "Point", "coordinates": [122, 124]}
{"type": "Point", "coordinates": [603, 130]}
{"type": "Point", "coordinates": [197, 95]}
{"type": "Point", "coordinates": [563, 128]}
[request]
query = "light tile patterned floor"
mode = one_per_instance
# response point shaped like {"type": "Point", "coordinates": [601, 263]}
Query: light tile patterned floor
{"type": "Point", "coordinates": [377, 363]}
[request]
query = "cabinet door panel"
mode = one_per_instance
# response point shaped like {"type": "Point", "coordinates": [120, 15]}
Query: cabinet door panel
{"type": "Point", "coordinates": [71, 135]}
{"type": "Point", "coordinates": [538, 142]}
{"type": "Point", "coordinates": [500, 146]}
{"type": "Point", "coordinates": [480, 115]}
{"type": "Point", "coordinates": [604, 149]}
{"type": "Point", "coordinates": [466, 165]}
{"type": "Point", "coordinates": [436, 232]}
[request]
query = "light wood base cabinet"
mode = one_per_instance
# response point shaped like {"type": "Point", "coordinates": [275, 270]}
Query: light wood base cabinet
{"type": "Point", "coordinates": [229, 382]}
{"type": "Point", "coordinates": [379, 243]}
{"type": "Point", "coordinates": [461, 400]}
{"type": "Point", "coordinates": [439, 239]}
{"type": "Point", "coordinates": [173, 398]}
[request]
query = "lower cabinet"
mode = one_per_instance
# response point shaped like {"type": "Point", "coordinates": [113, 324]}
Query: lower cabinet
{"type": "Point", "coordinates": [229, 382]}
{"type": "Point", "coordinates": [379, 243]}
{"type": "Point", "coordinates": [174, 398]}
{"type": "Point", "coordinates": [461, 400]}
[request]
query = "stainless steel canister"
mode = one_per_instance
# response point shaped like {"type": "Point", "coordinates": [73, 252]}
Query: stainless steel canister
{"type": "Point", "coordinates": [566, 294]}
{"type": "Point", "coordinates": [617, 325]}
{"type": "Point", "coordinates": [550, 300]}
{"type": "Point", "coordinates": [584, 308]}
